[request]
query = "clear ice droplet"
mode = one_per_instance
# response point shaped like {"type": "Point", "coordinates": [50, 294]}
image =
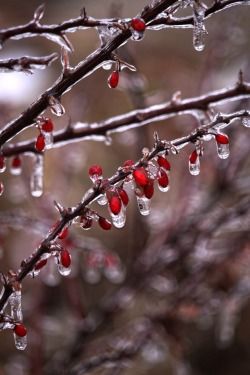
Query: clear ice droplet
{"type": "Point", "coordinates": [143, 205]}
{"type": "Point", "coordinates": [120, 219]}
{"type": "Point", "coordinates": [223, 150]}
{"type": "Point", "coordinates": [17, 316]}
{"type": "Point", "coordinates": [246, 122]}
{"type": "Point", "coordinates": [36, 180]}
{"type": "Point", "coordinates": [194, 168]}
{"type": "Point", "coordinates": [56, 107]}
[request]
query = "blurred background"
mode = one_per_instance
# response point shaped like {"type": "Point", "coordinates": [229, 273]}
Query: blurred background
{"type": "Point", "coordinates": [182, 278]}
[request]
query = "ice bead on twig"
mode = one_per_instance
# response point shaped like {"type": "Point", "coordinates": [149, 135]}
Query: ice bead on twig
{"type": "Point", "coordinates": [36, 179]}
{"type": "Point", "coordinates": [199, 30]}
{"type": "Point", "coordinates": [246, 122]}
{"type": "Point", "coordinates": [222, 143]}
{"type": "Point", "coordinates": [17, 316]}
{"type": "Point", "coordinates": [56, 106]}
{"type": "Point", "coordinates": [194, 163]}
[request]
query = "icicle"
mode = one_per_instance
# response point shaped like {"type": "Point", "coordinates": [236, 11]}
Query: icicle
{"type": "Point", "coordinates": [143, 205]}
{"type": "Point", "coordinates": [36, 179]}
{"type": "Point", "coordinates": [194, 163]}
{"type": "Point", "coordinates": [222, 143]}
{"type": "Point", "coordinates": [246, 122]}
{"type": "Point", "coordinates": [119, 220]}
{"type": "Point", "coordinates": [2, 164]}
{"type": "Point", "coordinates": [17, 316]}
{"type": "Point", "coordinates": [56, 107]}
{"type": "Point", "coordinates": [199, 30]}
{"type": "Point", "coordinates": [1, 188]}
{"type": "Point", "coordinates": [102, 200]}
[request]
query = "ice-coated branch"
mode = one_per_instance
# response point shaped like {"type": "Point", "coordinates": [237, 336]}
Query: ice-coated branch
{"type": "Point", "coordinates": [68, 215]}
{"type": "Point", "coordinates": [135, 118]}
{"type": "Point", "coordinates": [188, 22]}
{"type": "Point", "coordinates": [26, 64]}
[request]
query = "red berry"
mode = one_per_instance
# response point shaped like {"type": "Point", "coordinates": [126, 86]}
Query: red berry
{"type": "Point", "coordinates": [140, 177]}
{"type": "Point", "coordinates": [149, 189]}
{"type": "Point", "coordinates": [16, 162]}
{"type": "Point", "coordinates": [128, 163]}
{"type": "Point", "coordinates": [40, 143]}
{"type": "Point", "coordinates": [222, 139]}
{"type": "Point", "coordinates": [138, 24]}
{"type": "Point", "coordinates": [193, 157]}
{"type": "Point", "coordinates": [65, 258]}
{"type": "Point", "coordinates": [47, 125]}
{"type": "Point", "coordinates": [104, 223]}
{"type": "Point", "coordinates": [163, 178]}
{"type": "Point", "coordinates": [2, 162]}
{"type": "Point", "coordinates": [124, 196]}
{"type": "Point", "coordinates": [64, 233]}
{"type": "Point", "coordinates": [20, 330]}
{"type": "Point", "coordinates": [164, 163]}
{"type": "Point", "coordinates": [95, 170]}
{"type": "Point", "coordinates": [40, 264]}
{"type": "Point", "coordinates": [113, 79]}
{"type": "Point", "coordinates": [115, 204]}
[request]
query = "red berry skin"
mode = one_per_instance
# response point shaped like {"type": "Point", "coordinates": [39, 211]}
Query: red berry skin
{"type": "Point", "coordinates": [64, 233]}
{"type": "Point", "coordinates": [140, 177]}
{"type": "Point", "coordinates": [40, 264]}
{"type": "Point", "coordinates": [193, 157]}
{"type": "Point", "coordinates": [113, 79]}
{"type": "Point", "coordinates": [222, 139]}
{"type": "Point", "coordinates": [138, 24]}
{"type": "Point", "coordinates": [163, 179]}
{"type": "Point", "coordinates": [164, 163]}
{"type": "Point", "coordinates": [124, 196]}
{"type": "Point", "coordinates": [115, 204]}
{"type": "Point", "coordinates": [104, 223]}
{"type": "Point", "coordinates": [95, 170]}
{"type": "Point", "coordinates": [47, 126]}
{"type": "Point", "coordinates": [65, 258]}
{"type": "Point", "coordinates": [20, 330]}
{"type": "Point", "coordinates": [16, 162]}
{"type": "Point", "coordinates": [149, 189]}
{"type": "Point", "coordinates": [40, 143]}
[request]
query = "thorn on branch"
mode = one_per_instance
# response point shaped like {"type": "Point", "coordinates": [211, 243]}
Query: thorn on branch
{"type": "Point", "coordinates": [39, 13]}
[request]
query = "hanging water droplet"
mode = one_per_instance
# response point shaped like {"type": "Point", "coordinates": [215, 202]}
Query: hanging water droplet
{"type": "Point", "coordinates": [49, 139]}
{"type": "Point", "coordinates": [119, 220]}
{"type": "Point", "coordinates": [17, 316]}
{"type": "Point", "coordinates": [16, 166]}
{"type": "Point", "coordinates": [199, 30]}
{"type": "Point", "coordinates": [137, 35]}
{"type": "Point", "coordinates": [55, 106]}
{"type": "Point", "coordinates": [108, 140]}
{"type": "Point", "coordinates": [102, 200]}
{"type": "Point", "coordinates": [107, 65]}
{"type": "Point", "coordinates": [194, 164]}
{"type": "Point", "coordinates": [223, 150]}
{"type": "Point", "coordinates": [246, 122]}
{"type": "Point", "coordinates": [64, 271]}
{"type": "Point", "coordinates": [36, 179]}
{"type": "Point", "coordinates": [143, 205]}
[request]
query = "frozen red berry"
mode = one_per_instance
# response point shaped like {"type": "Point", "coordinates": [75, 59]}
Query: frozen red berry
{"type": "Point", "coordinates": [222, 139]}
{"type": "Point", "coordinates": [113, 79]}
{"type": "Point", "coordinates": [138, 24]}
{"type": "Point", "coordinates": [20, 330]}
{"type": "Point", "coordinates": [115, 204]}
{"type": "Point", "coordinates": [16, 162]}
{"type": "Point", "coordinates": [140, 176]}
{"type": "Point", "coordinates": [193, 157]}
{"type": "Point", "coordinates": [95, 170]}
{"type": "Point", "coordinates": [64, 233]}
{"type": "Point", "coordinates": [128, 163]}
{"type": "Point", "coordinates": [40, 264]}
{"type": "Point", "coordinates": [123, 195]}
{"type": "Point", "coordinates": [40, 143]}
{"type": "Point", "coordinates": [47, 126]}
{"type": "Point", "coordinates": [163, 179]}
{"type": "Point", "coordinates": [104, 223]}
{"type": "Point", "coordinates": [149, 189]}
{"type": "Point", "coordinates": [65, 258]}
{"type": "Point", "coordinates": [164, 163]}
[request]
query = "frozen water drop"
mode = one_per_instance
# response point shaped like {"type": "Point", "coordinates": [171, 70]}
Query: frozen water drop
{"type": "Point", "coordinates": [64, 271]}
{"type": "Point", "coordinates": [36, 181]}
{"type": "Point", "coordinates": [15, 301]}
{"type": "Point", "coordinates": [223, 150]}
{"type": "Point", "coordinates": [107, 65]}
{"type": "Point", "coordinates": [102, 200]}
{"type": "Point", "coordinates": [56, 107]}
{"type": "Point", "coordinates": [143, 205]}
{"type": "Point", "coordinates": [246, 122]}
{"type": "Point", "coordinates": [120, 219]}
{"type": "Point", "coordinates": [20, 342]}
{"type": "Point", "coordinates": [199, 30]}
{"type": "Point", "coordinates": [137, 35]}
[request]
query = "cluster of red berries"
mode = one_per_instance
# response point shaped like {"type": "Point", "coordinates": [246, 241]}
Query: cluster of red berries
{"type": "Point", "coordinates": [46, 128]}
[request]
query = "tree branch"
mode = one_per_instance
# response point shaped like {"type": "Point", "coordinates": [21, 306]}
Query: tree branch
{"type": "Point", "coordinates": [26, 64]}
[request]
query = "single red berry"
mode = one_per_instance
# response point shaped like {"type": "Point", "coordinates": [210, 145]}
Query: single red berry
{"type": "Point", "coordinates": [20, 330]}
{"type": "Point", "coordinates": [16, 162]}
{"type": "Point", "coordinates": [47, 125]}
{"type": "Point", "coordinates": [140, 176]}
{"type": "Point", "coordinates": [2, 162]}
{"type": "Point", "coordinates": [115, 204]}
{"type": "Point", "coordinates": [95, 170]}
{"type": "Point", "coordinates": [124, 196]}
{"type": "Point", "coordinates": [163, 178]}
{"type": "Point", "coordinates": [113, 79]}
{"type": "Point", "coordinates": [138, 24]}
{"type": "Point", "coordinates": [65, 258]}
{"type": "Point", "coordinates": [86, 222]}
{"type": "Point", "coordinates": [64, 233]}
{"type": "Point", "coordinates": [40, 143]}
{"type": "Point", "coordinates": [149, 189]}
{"type": "Point", "coordinates": [40, 264]}
{"type": "Point", "coordinates": [128, 163]}
{"type": "Point", "coordinates": [193, 157]}
{"type": "Point", "coordinates": [104, 223]}
{"type": "Point", "coordinates": [164, 163]}
{"type": "Point", "coordinates": [222, 139]}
